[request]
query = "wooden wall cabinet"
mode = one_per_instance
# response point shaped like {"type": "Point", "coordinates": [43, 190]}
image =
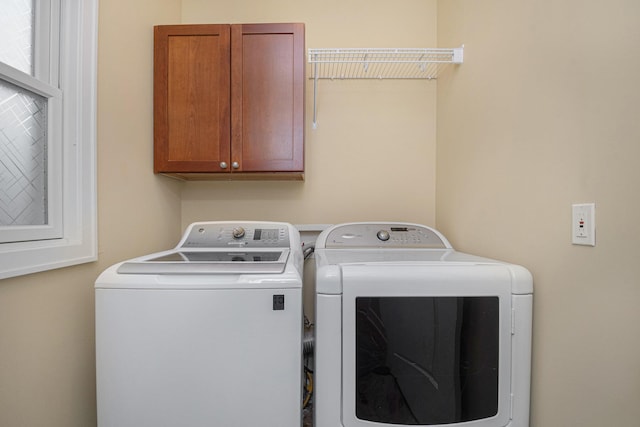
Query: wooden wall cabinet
{"type": "Point", "coordinates": [229, 101]}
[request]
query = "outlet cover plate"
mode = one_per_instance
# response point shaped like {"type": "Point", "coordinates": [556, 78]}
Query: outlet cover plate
{"type": "Point", "coordinates": [583, 227]}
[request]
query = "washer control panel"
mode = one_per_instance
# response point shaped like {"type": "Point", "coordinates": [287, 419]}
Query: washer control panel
{"type": "Point", "coordinates": [387, 235]}
{"type": "Point", "coordinates": [236, 235]}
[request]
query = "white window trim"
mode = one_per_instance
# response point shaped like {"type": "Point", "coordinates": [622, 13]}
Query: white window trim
{"type": "Point", "coordinates": [78, 81]}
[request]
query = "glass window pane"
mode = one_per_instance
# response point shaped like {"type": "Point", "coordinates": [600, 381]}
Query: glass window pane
{"type": "Point", "coordinates": [23, 157]}
{"type": "Point", "coordinates": [16, 34]}
{"type": "Point", "coordinates": [426, 360]}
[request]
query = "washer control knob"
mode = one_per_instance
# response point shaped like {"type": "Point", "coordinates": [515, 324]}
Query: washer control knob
{"type": "Point", "coordinates": [383, 235]}
{"type": "Point", "coordinates": [223, 165]}
{"type": "Point", "coordinates": [238, 233]}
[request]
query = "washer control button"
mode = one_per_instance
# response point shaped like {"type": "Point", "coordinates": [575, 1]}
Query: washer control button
{"type": "Point", "coordinates": [238, 233]}
{"type": "Point", "coordinates": [383, 235]}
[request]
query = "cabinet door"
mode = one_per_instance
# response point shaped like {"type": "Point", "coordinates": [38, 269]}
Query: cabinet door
{"type": "Point", "coordinates": [267, 97]}
{"type": "Point", "coordinates": [191, 98]}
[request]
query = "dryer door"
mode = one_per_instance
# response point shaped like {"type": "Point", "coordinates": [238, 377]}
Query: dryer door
{"type": "Point", "coordinates": [426, 345]}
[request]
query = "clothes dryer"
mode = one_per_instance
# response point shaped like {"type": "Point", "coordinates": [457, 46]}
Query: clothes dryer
{"type": "Point", "coordinates": [409, 331]}
{"type": "Point", "coordinates": [206, 334]}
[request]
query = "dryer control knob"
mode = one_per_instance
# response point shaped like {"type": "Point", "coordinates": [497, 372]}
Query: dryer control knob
{"type": "Point", "coordinates": [238, 233]}
{"type": "Point", "coordinates": [383, 235]}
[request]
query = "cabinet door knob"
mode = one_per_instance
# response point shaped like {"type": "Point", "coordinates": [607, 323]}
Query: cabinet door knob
{"type": "Point", "coordinates": [235, 165]}
{"type": "Point", "coordinates": [223, 165]}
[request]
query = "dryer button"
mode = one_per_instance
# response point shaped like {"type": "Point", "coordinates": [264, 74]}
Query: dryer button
{"type": "Point", "coordinates": [383, 235]}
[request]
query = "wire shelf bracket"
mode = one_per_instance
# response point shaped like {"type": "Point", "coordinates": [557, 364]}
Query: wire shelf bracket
{"type": "Point", "coordinates": [378, 63]}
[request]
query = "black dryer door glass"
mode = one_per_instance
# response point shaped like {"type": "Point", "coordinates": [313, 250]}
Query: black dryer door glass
{"type": "Point", "coordinates": [426, 360]}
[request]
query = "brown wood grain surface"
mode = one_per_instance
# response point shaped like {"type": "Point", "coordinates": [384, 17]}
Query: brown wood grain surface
{"type": "Point", "coordinates": [229, 93]}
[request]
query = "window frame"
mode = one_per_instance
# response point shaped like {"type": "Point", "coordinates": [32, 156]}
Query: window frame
{"type": "Point", "coordinates": [53, 227]}
{"type": "Point", "coordinates": [72, 121]}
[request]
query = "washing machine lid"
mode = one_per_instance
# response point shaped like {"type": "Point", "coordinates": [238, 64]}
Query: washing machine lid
{"type": "Point", "coordinates": [209, 262]}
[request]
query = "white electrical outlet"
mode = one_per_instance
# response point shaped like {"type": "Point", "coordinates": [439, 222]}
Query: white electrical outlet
{"type": "Point", "coordinates": [584, 224]}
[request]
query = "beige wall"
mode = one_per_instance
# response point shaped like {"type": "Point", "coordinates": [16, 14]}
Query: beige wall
{"type": "Point", "coordinates": [542, 114]}
{"type": "Point", "coordinates": [373, 153]}
{"type": "Point", "coordinates": [47, 357]}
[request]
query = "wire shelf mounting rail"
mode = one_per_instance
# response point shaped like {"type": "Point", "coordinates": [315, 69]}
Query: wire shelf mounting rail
{"type": "Point", "coordinates": [378, 63]}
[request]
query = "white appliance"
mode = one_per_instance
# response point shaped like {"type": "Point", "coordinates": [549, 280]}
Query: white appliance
{"type": "Point", "coordinates": [411, 332]}
{"type": "Point", "coordinates": [206, 334]}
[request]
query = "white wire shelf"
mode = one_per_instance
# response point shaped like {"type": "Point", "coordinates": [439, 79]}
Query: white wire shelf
{"type": "Point", "coordinates": [378, 63]}
{"type": "Point", "coordinates": [374, 63]}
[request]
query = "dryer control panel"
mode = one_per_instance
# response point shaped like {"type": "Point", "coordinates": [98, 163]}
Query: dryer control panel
{"type": "Point", "coordinates": [236, 235]}
{"type": "Point", "coordinates": [383, 235]}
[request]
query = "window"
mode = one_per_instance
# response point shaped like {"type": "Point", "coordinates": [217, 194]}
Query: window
{"type": "Point", "coordinates": [47, 134]}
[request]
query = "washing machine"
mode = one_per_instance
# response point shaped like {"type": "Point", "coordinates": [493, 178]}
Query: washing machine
{"type": "Point", "coordinates": [206, 334]}
{"type": "Point", "coordinates": [409, 331]}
